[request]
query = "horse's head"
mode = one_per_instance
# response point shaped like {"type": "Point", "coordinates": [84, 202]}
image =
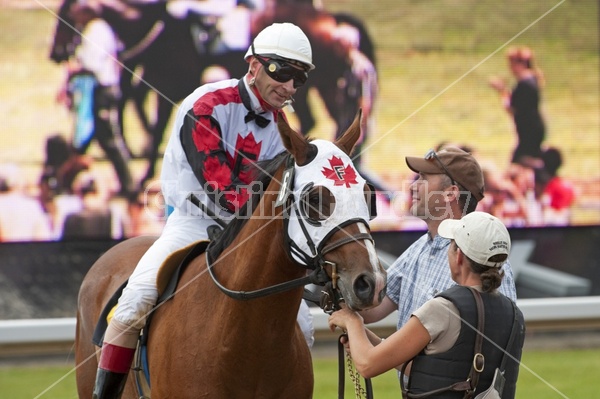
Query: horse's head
{"type": "Point", "coordinates": [328, 208]}
{"type": "Point", "coordinates": [65, 35]}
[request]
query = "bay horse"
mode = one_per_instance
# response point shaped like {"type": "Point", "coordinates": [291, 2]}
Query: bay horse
{"type": "Point", "coordinates": [207, 341]}
{"type": "Point", "coordinates": [171, 63]}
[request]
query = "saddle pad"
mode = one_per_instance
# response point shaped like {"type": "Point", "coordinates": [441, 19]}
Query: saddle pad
{"type": "Point", "coordinates": [173, 261]}
{"type": "Point", "coordinates": [163, 279]}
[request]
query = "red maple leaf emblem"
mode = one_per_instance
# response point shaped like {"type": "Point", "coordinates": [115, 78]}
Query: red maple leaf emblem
{"type": "Point", "coordinates": [248, 144]}
{"type": "Point", "coordinates": [216, 174]}
{"type": "Point", "coordinates": [248, 149]}
{"type": "Point", "coordinates": [206, 140]}
{"type": "Point", "coordinates": [340, 174]}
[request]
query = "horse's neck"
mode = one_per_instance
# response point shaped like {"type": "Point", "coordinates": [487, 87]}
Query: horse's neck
{"type": "Point", "coordinates": [257, 259]}
{"type": "Point", "coordinates": [259, 251]}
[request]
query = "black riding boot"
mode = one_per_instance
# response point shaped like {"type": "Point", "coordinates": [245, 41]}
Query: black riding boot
{"type": "Point", "coordinates": [109, 385]}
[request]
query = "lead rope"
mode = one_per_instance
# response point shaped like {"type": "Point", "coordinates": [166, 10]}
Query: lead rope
{"type": "Point", "coordinates": [359, 390]}
{"type": "Point", "coordinates": [330, 301]}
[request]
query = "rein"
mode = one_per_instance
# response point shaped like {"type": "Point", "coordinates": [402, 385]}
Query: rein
{"type": "Point", "coordinates": [318, 276]}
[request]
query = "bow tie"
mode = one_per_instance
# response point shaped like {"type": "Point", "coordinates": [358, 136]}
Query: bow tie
{"type": "Point", "coordinates": [260, 120]}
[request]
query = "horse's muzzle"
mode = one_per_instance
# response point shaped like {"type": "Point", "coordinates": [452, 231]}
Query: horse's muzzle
{"type": "Point", "coordinates": [368, 289]}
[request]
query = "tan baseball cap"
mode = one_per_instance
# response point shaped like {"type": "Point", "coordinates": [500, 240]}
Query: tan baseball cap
{"type": "Point", "coordinates": [459, 165]}
{"type": "Point", "coordinates": [479, 235]}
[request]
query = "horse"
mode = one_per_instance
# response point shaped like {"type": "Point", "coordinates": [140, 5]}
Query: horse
{"type": "Point", "coordinates": [160, 50]}
{"type": "Point", "coordinates": [232, 332]}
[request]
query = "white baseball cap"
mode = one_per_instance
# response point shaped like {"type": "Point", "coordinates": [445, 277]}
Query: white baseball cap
{"type": "Point", "coordinates": [479, 236]}
{"type": "Point", "coordinates": [284, 40]}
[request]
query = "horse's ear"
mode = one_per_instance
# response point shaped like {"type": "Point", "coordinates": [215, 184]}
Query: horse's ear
{"type": "Point", "coordinates": [293, 141]}
{"type": "Point", "coordinates": [350, 137]}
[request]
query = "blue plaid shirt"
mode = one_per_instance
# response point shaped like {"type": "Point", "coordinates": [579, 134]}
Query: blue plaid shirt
{"type": "Point", "coordinates": [422, 272]}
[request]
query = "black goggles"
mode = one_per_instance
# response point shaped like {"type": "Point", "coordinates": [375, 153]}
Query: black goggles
{"type": "Point", "coordinates": [431, 154]}
{"type": "Point", "coordinates": [282, 71]}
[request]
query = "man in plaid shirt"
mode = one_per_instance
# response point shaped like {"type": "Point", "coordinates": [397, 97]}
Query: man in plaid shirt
{"type": "Point", "coordinates": [449, 186]}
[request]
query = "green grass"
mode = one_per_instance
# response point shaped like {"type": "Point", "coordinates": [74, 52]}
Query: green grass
{"type": "Point", "coordinates": [544, 374]}
{"type": "Point", "coordinates": [48, 382]}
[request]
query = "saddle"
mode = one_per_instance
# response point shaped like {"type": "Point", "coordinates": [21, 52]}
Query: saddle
{"type": "Point", "coordinates": [168, 276]}
{"type": "Point", "coordinates": [166, 282]}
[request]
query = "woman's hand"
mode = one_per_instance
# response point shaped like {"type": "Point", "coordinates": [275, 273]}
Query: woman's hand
{"type": "Point", "coordinates": [343, 317]}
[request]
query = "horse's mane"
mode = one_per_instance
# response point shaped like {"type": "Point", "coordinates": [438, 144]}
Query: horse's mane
{"type": "Point", "coordinates": [265, 171]}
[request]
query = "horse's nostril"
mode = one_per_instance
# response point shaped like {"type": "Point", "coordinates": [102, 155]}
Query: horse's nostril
{"type": "Point", "coordinates": [363, 288]}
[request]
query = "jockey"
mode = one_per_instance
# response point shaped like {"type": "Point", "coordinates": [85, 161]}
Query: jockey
{"type": "Point", "coordinates": [220, 131]}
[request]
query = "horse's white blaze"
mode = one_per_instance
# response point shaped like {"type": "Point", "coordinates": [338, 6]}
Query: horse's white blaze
{"type": "Point", "coordinates": [374, 260]}
{"type": "Point", "coordinates": [380, 279]}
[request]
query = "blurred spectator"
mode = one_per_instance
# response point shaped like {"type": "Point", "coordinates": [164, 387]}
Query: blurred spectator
{"type": "Point", "coordinates": [148, 213]}
{"type": "Point", "coordinates": [96, 58]}
{"type": "Point", "coordinates": [507, 196]}
{"type": "Point", "coordinates": [60, 167]}
{"type": "Point", "coordinates": [96, 219]}
{"type": "Point", "coordinates": [522, 102]}
{"type": "Point", "coordinates": [555, 194]}
{"type": "Point", "coordinates": [21, 216]}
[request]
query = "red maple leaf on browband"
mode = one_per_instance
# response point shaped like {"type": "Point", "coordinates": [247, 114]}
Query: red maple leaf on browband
{"type": "Point", "coordinates": [340, 174]}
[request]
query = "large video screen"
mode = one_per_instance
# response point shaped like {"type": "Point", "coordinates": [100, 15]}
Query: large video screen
{"type": "Point", "coordinates": [427, 74]}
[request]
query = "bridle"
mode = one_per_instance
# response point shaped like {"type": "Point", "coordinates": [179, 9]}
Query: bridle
{"type": "Point", "coordinates": [316, 262]}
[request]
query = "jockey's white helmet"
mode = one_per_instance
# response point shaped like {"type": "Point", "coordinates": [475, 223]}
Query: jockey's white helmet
{"type": "Point", "coordinates": [284, 40]}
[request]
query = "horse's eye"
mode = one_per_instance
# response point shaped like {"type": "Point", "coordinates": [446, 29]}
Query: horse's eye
{"type": "Point", "coordinates": [317, 204]}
